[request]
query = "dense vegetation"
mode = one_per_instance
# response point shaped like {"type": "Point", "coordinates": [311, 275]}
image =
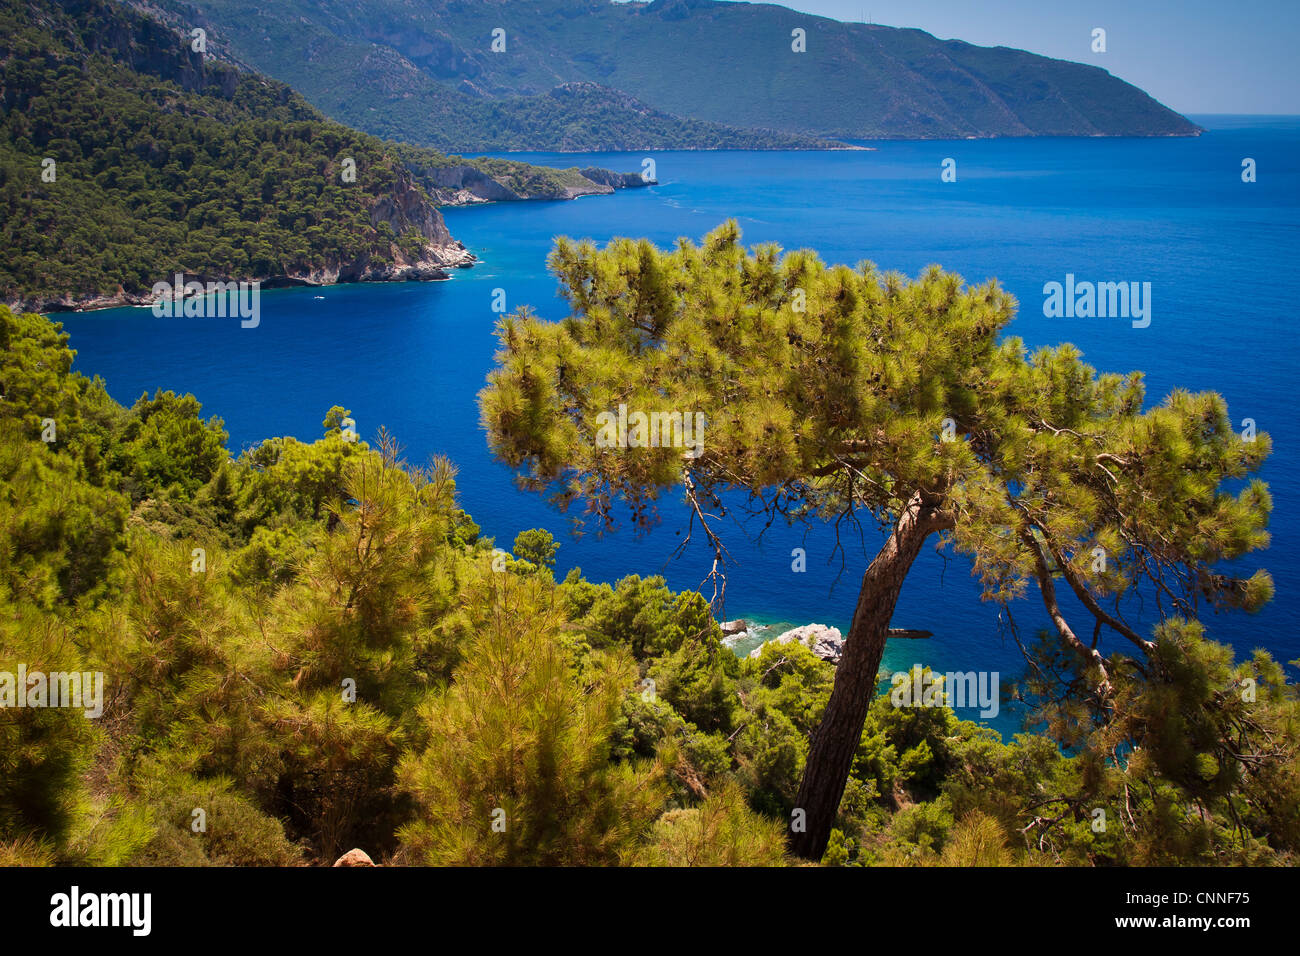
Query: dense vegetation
{"type": "Point", "coordinates": [311, 646]}
{"type": "Point", "coordinates": [166, 161]}
{"type": "Point", "coordinates": [589, 117]}
{"type": "Point", "coordinates": [427, 72]}
{"type": "Point", "coordinates": [572, 118]}
{"type": "Point", "coordinates": [348, 662]}
{"type": "Point", "coordinates": [849, 397]}
{"type": "Point", "coordinates": [179, 165]}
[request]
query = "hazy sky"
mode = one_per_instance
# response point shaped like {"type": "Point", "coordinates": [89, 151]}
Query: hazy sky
{"type": "Point", "coordinates": [1195, 56]}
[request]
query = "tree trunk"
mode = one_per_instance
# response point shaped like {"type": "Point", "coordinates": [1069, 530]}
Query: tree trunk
{"type": "Point", "coordinates": [834, 742]}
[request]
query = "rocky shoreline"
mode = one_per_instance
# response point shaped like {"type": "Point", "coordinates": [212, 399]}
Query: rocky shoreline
{"type": "Point", "coordinates": [431, 268]}
{"type": "Point", "coordinates": [459, 185]}
{"type": "Point", "coordinates": [467, 185]}
{"type": "Point", "coordinates": [825, 642]}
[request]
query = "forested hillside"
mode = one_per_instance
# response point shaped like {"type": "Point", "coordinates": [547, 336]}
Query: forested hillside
{"type": "Point", "coordinates": [493, 75]}
{"type": "Point", "coordinates": [126, 156]}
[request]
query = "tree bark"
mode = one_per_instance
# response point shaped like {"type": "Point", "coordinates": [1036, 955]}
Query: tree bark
{"type": "Point", "coordinates": [834, 742]}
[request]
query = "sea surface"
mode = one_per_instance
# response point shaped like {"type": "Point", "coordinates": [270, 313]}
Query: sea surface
{"type": "Point", "coordinates": [1221, 256]}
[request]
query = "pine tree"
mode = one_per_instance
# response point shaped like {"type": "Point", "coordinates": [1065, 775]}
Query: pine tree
{"type": "Point", "coordinates": [845, 395]}
{"type": "Point", "coordinates": [517, 766]}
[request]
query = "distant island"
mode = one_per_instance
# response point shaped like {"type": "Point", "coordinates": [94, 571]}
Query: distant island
{"type": "Point", "coordinates": [126, 155]}
{"type": "Point", "coordinates": [590, 75]}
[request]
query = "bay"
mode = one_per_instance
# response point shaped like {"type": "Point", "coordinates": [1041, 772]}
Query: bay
{"type": "Point", "coordinates": [1220, 255]}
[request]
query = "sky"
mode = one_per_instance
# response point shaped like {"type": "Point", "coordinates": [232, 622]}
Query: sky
{"type": "Point", "coordinates": [1195, 56]}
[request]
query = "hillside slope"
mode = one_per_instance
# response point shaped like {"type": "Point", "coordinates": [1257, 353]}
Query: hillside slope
{"type": "Point", "coordinates": [127, 156]}
{"type": "Point", "coordinates": [327, 53]}
{"type": "Point", "coordinates": [412, 70]}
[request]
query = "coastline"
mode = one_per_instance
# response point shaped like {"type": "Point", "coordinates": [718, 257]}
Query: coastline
{"type": "Point", "coordinates": [432, 268]}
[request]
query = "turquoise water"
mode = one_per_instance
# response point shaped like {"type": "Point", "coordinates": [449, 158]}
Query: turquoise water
{"type": "Point", "coordinates": [1220, 255]}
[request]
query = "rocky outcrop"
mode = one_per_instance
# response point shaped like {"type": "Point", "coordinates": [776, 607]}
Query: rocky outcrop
{"type": "Point", "coordinates": [463, 184]}
{"type": "Point", "coordinates": [406, 207]}
{"type": "Point", "coordinates": [431, 265]}
{"type": "Point", "coordinates": [354, 857]}
{"type": "Point", "coordinates": [149, 46]}
{"type": "Point", "coordinates": [613, 180]}
{"type": "Point", "coordinates": [826, 642]}
{"type": "Point", "coordinates": [403, 209]}
{"type": "Point", "coordinates": [69, 303]}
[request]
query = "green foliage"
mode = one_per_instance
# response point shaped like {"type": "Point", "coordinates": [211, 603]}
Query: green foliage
{"type": "Point", "coordinates": [60, 530]}
{"type": "Point", "coordinates": [721, 831]}
{"type": "Point", "coordinates": [289, 481]}
{"type": "Point", "coordinates": [271, 558]}
{"type": "Point", "coordinates": [1035, 466]}
{"type": "Point", "coordinates": [517, 768]}
{"type": "Point", "coordinates": [537, 547]}
{"type": "Point", "coordinates": [344, 667]}
{"type": "Point", "coordinates": [157, 164]}
{"type": "Point", "coordinates": [1041, 446]}
{"type": "Point", "coordinates": [168, 446]}
{"type": "Point", "coordinates": [641, 613]}
{"type": "Point", "coordinates": [232, 831]}
{"type": "Point", "coordinates": [26, 851]}
{"type": "Point", "coordinates": [43, 750]}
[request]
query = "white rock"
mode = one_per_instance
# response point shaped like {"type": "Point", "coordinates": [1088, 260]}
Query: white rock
{"type": "Point", "coordinates": [826, 642]}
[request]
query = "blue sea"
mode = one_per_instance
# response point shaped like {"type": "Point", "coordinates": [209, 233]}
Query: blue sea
{"type": "Point", "coordinates": [1220, 254]}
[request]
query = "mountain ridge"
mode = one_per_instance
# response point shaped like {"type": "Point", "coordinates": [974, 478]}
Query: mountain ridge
{"type": "Point", "coordinates": [430, 71]}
